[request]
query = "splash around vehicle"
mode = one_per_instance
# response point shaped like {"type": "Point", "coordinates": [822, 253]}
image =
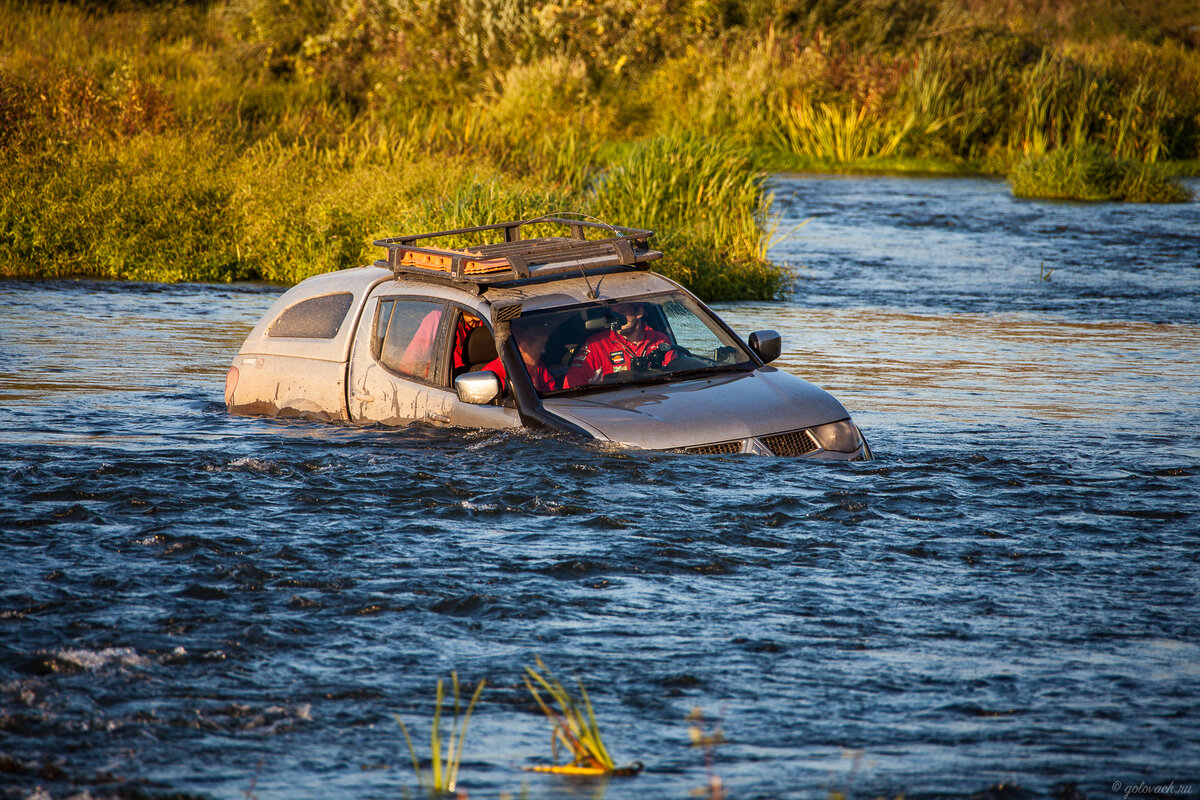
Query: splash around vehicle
{"type": "Point", "coordinates": [515, 325]}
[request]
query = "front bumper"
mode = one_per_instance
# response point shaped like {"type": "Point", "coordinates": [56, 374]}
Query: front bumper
{"type": "Point", "coordinates": [791, 444]}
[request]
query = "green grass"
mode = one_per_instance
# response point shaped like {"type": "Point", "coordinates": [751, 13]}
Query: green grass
{"type": "Point", "coordinates": [1091, 173]}
{"type": "Point", "coordinates": [271, 139]}
{"type": "Point", "coordinates": [574, 721]}
{"type": "Point", "coordinates": [707, 199]}
{"type": "Point", "coordinates": [150, 209]}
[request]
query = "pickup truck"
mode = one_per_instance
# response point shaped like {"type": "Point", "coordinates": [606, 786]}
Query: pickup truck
{"type": "Point", "coordinates": [490, 327]}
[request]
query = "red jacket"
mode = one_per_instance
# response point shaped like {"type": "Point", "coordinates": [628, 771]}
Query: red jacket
{"type": "Point", "coordinates": [543, 381]}
{"type": "Point", "coordinates": [465, 324]}
{"type": "Point", "coordinates": [608, 352]}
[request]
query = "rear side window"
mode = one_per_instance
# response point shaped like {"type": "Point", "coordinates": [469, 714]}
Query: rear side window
{"type": "Point", "coordinates": [315, 318]}
{"type": "Point", "coordinates": [405, 336]}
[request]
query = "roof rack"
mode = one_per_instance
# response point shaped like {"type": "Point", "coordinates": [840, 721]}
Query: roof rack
{"type": "Point", "coordinates": [516, 258]}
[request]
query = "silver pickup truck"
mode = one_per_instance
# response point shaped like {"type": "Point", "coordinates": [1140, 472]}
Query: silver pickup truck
{"type": "Point", "coordinates": [498, 328]}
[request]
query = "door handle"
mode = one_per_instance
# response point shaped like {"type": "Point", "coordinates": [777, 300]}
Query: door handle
{"type": "Point", "coordinates": [445, 418]}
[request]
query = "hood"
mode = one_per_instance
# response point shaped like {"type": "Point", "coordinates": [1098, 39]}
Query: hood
{"type": "Point", "coordinates": [704, 410]}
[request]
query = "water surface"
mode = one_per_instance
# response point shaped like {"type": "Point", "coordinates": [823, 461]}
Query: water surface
{"type": "Point", "coordinates": [197, 603]}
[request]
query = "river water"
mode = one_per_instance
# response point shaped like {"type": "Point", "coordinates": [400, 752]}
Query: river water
{"type": "Point", "coordinates": [1002, 604]}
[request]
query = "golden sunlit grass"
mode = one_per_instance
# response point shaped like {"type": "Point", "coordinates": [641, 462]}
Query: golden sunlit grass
{"type": "Point", "coordinates": [442, 777]}
{"type": "Point", "coordinates": [265, 139]}
{"type": "Point", "coordinates": [574, 726]}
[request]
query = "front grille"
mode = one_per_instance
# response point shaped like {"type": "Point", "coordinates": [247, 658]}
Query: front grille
{"type": "Point", "coordinates": [716, 449]}
{"type": "Point", "coordinates": [793, 443]}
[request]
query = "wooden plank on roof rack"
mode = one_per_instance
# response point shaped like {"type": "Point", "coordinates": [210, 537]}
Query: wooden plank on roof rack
{"type": "Point", "coordinates": [550, 250]}
{"type": "Point", "coordinates": [445, 262]}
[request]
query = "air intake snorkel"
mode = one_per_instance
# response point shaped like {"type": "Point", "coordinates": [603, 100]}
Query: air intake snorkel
{"type": "Point", "coordinates": [502, 316]}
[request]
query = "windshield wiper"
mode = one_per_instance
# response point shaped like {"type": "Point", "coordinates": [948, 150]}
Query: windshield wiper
{"type": "Point", "coordinates": [588, 388]}
{"type": "Point", "coordinates": [650, 380]}
{"type": "Point", "coordinates": [684, 374]}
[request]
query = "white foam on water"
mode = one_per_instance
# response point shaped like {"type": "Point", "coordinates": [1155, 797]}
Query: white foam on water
{"type": "Point", "coordinates": [95, 659]}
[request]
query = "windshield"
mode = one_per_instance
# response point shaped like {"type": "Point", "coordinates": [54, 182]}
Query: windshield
{"type": "Point", "coordinates": [645, 340]}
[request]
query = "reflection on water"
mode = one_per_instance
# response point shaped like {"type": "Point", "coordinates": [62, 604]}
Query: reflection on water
{"type": "Point", "coordinates": [884, 363]}
{"type": "Point", "coordinates": [952, 244]}
{"type": "Point", "coordinates": [224, 606]}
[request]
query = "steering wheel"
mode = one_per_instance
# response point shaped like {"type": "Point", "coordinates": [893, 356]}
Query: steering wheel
{"type": "Point", "coordinates": [656, 358]}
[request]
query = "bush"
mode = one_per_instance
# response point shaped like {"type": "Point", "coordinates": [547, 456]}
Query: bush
{"type": "Point", "coordinates": [227, 139]}
{"type": "Point", "coordinates": [706, 199]}
{"type": "Point", "coordinates": [1092, 173]}
{"type": "Point", "coordinates": [151, 208]}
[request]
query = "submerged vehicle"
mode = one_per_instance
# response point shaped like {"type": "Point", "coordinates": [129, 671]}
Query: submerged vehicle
{"type": "Point", "coordinates": [563, 332]}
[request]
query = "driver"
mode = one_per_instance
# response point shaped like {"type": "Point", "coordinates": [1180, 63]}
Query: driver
{"type": "Point", "coordinates": [615, 350]}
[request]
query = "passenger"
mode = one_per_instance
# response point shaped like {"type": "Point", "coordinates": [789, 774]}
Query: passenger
{"type": "Point", "coordinates": [532, 344]}
{"type": "Point", "coordinates": [466, 322]}
{"type": "Point", "coordinates": [615, 350]}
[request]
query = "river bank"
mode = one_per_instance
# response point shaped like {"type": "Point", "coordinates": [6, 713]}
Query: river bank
{"type": "Point", "coordinates": [254, 139]}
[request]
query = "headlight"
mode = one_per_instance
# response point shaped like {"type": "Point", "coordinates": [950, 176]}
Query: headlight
{"type": "Point", "coordinates": [841, 437]}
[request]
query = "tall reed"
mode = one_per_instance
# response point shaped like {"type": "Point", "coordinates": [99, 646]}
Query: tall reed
{"type": "Point", "coordinates": [443, 776]}
{"type": "Point", "coordinates": [837, 132]}
{"type": "Point", "coordinates": [709, 205]}
{"type": "Point", "coordinates": [574, 726]}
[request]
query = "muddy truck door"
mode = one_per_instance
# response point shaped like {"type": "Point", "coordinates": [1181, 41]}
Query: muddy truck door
{"type": "Point", "coordinates": [395, 358]}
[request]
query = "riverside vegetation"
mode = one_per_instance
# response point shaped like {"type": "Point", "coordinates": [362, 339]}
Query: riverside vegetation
{"type": "Point", "coordinates": [275, 139]}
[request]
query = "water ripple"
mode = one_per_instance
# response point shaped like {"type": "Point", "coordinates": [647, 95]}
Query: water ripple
{"type": "Point", "coordinates": [194, 603]}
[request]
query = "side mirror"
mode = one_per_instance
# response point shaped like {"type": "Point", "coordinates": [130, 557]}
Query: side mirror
{"type": "Point", "coordinates": [477, 388]}
{"type": "Point", "coordinates": [767, 345]}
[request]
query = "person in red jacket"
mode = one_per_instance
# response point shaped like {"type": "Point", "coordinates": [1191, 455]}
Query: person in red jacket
{"type": "Point", "coordinates": [615, 350]}
{"type": "Point", "coordinates": [543, 381]}
{"type": "Point", "coordinates": [531, 344]}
